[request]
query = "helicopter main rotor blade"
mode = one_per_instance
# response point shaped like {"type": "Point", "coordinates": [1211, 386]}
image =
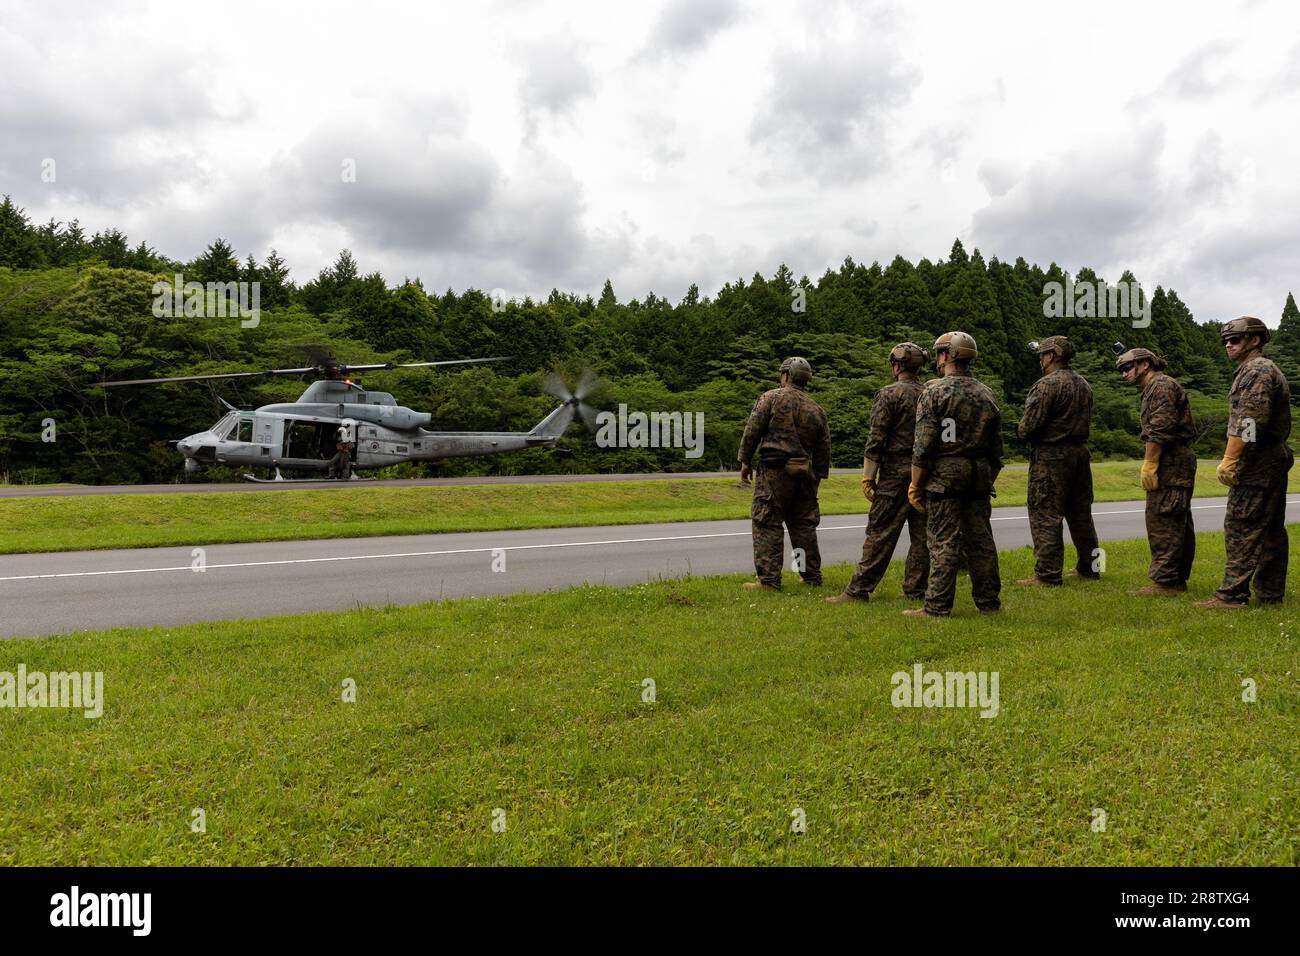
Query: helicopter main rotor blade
{"type": "Point", "coordinates": [328, 369]}
{"type": "Point", "coordinates": [204, 378]}
{"type": "Point", "coordinates": [388, 365]}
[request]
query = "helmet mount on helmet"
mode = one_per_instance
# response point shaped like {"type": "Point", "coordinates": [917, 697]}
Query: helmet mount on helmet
{"type": "Point", "coordinates": [1058, 345]}
{"type": "Point", "coordinates": [798, 369]}
{"type": "Point", "coordinates": [909, 356]}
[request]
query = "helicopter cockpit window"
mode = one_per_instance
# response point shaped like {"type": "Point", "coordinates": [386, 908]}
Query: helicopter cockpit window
{"type": "Point", "coordinates": [245, 430]}
{"type": "Point", "coordinates": [225, 427]}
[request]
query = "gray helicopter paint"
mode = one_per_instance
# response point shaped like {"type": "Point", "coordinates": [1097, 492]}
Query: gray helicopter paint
{"type": "Point", "coordinates": [378, 443]}
{"type": "Point", "coordinates": [388, 433]}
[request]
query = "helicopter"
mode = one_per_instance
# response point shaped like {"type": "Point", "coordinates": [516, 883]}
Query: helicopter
{"type": "Point", "coordinates": [301, 436]}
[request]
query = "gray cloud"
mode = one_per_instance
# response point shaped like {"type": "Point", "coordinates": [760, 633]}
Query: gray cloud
{"type": "Point", "coordinates": [685, 26]}
{"type": "Point", "coordinates": [1082, 209]}
{"type": "Point", "coordinates": [1211, 175]}
{"type": "Point", "coordinates": [996, 177]}
{"type": "Point", "coordinates": [114, 140]}
{"type": "Point", "coordinates": [413, 188]}
{"type": "Point", "coordinates": [554, 79]}
{"type": "Point", "coordinates": [827, 107]}
{"type": "Point", "coordinates": [1200, 72]}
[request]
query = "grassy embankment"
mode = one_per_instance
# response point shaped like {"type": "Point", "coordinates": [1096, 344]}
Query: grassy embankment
{"type": "Point", "coordinates": [136, 521]}
{"type": "Point", "coordinates": [765, 704]}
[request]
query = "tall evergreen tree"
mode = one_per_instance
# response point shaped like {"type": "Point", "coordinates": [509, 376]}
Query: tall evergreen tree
{"type": "Point", "coordinates": [19, 244]}
{"type": "Point", "coordinates": [969, 303]}
{"type": "Point", "coordinates": [902, 301]}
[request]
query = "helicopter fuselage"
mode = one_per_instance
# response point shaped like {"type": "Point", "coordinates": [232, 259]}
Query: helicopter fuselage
{"type": "Point", "coordinates": [301, 435]}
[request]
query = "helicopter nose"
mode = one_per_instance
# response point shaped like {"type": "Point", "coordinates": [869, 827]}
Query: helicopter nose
{"type": "Point", "coordinates": [187, 446]}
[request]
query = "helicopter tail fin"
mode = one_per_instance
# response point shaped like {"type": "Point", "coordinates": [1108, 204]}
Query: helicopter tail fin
{"type": "Point", "coordinates": [556, 423]}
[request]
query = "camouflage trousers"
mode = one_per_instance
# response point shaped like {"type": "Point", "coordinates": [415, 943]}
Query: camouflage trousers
{"type": "Point", "coordinates": [956, 528]}
{"type": "Point", "coordinates": [1254, 535]}
{"type": "Point", "coordinates": [781, 499]}
{"type": "Point", "coordinates": [1060, 490]}
{"type": "Point", "coordinates": [889, 512]}
{"type": "Point", "coordinates": [1171, 534]}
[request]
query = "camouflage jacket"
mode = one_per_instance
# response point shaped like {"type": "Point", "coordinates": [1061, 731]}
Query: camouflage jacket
{"type": "Point", "coordinates": [958, 436]}
{"type": "Point", "coordinates": [1167, 421]}
{"type": "Point", "coordinates": [1058, 409]}
{"type": "Point", "coordinates": [787, 420]}
{"type": "Point", "coordinates": [1259, 411]}
{"type": "Point", "coordinates": [1166, 413]}
{"type": "Point", "coordinates": [893, 423]}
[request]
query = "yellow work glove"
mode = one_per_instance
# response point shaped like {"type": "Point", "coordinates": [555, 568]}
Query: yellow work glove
{"type": "Point", "coordinates": [1149, 480]}
{"type": "Point", "coordinates": [915, 497]}
{"type": "Point", "coordinates": [1227, 470]}
{"type": "Point", "coordinates": [868, 488]}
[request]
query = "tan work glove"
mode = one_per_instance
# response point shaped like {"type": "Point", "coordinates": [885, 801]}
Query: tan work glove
{"type": "Point", "coordinates": [1227, 470]}
{"type": "Point", "coordinates": [1149, 480]}
{"type": "Point", "coordinates": [916, 497]}
{"type": "Point", "coordinates": [869, 488]}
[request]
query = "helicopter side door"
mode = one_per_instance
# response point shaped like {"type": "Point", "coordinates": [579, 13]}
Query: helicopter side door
{"type": "Point", "coordinates": [307, 443]}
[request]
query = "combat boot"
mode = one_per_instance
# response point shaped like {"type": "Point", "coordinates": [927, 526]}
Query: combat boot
{"type": "Point", "coordinates": [1160, 590]}
{"type": "Point", "coordinates": [1037, 582]}
{"type": "Point", "coordinates": [921, 612]}
{"type": "Point", "coordinates": [1217, 603]}
{"type": "Point", "coordinates": [845, 599]}
{"type": "Point", "coordinates": [759, 586]}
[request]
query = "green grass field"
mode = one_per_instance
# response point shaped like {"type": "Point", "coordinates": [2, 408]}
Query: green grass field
{"type": "Point", "coordinates": [141, 521]}
{"type": "Point", "coordinates": [765, 704]}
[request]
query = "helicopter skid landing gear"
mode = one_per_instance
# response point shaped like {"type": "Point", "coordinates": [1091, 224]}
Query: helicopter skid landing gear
{"type": "Point", "coordinates": [280, 479]}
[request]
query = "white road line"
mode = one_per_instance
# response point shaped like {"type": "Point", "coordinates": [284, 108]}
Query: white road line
{"type": "Point", "coordinates": [512, 547]}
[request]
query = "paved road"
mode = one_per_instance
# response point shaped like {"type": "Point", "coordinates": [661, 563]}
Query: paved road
{"type": "Point", "coordinates": [45, 594]}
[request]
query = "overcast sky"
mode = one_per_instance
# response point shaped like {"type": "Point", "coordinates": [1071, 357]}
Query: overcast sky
{"type": "Point", "coordinates": [537, 145]}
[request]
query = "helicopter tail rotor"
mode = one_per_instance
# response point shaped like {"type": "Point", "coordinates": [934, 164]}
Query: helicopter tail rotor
{"type": "Point", "coordinates": [575, 398]}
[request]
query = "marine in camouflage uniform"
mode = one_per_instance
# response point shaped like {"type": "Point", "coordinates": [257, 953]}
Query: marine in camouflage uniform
{"type": "Point", "coordinates": [1055, 423]}
{"type": "Point", "coordinates": [1168, 471]}
{"type": "Point", "coordinates": [1254, 468]}
{"type": "Point", "coordinates": [789, 433]}
{"type": "Point", "coordinates": [887, 470]}
{"type": "Point", "coordinates": [956, 457]}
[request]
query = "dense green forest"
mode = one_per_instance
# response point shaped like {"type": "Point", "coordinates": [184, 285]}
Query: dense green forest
{"type": "Point", "coordinates": [76, 310]}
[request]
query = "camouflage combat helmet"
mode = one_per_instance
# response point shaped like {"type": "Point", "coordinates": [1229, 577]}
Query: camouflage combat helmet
{"type": "Point", "coordinates": [958, 345]}
{"type": "Point", "coordinates": [1246, 325]}
{"type": "Point", "coordinates": [1138, 355]}
{"type": "Point", "coordinates": [1059, 344]}
{"type": "Point", "coordinates": [909, 355]}
{"type": "Point", "coordinates": [799, 369]}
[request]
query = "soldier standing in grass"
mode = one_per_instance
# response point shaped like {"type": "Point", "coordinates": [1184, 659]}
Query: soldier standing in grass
{"type": "Point", "coordinates": [956, 457]}
{"type": "Point", "coordinates": [788, 431]}
{"type": "Point", "coordinates": [886, 473]}
{"type": "Point", "coordinates": [1168, 471]}
{"type": "Point", "coordinates": [1254, 467]}
{"type": "Point", "coordinates": [1055, 423]}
